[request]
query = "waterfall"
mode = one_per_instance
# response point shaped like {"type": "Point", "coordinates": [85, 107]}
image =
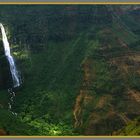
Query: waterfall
{"type": "Point", "coordinates": [13, 70]}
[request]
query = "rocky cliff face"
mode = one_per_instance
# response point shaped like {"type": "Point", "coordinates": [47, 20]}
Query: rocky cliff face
{"type": "Point", "coordinates": [109, 97]}
{"type": "Point", "coordinates": [106, 113]}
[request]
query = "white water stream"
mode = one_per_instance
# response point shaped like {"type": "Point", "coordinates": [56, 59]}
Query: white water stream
{"type": "Point", "coordinates": [13, 69]}
{"type": "Point", "coordinates": [14, 72]}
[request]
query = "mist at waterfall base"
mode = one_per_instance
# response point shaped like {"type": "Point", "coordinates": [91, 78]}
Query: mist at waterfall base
{"type": "Point", "coordinates": [12, 66]}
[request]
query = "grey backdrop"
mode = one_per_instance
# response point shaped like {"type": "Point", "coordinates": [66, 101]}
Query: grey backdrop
{"type": "Point", "coordinates": [69, 0]}
{"type": "Point", "coordinates": [61, 138]}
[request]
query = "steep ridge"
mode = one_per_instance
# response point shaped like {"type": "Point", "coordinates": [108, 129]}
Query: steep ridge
{"type": "Point", "coordinates": [104, 109]}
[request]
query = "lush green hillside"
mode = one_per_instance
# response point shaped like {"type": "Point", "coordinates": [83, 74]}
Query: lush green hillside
{"type": "Point", "coordinates": [80, 70]}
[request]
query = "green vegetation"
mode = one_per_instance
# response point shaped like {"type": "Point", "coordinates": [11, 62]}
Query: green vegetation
{"type": "Point", "coordinates": [51, 50]}
{"type": "Point", "coordinates": [133, 128]}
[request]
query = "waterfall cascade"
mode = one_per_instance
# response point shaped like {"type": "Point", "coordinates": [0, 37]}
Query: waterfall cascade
{"type": "Point", "coordinates": [13, 70]}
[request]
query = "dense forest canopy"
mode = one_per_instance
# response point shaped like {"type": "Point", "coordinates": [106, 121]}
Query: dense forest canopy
{"type": "Point", "coordinates": [79, 66]}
